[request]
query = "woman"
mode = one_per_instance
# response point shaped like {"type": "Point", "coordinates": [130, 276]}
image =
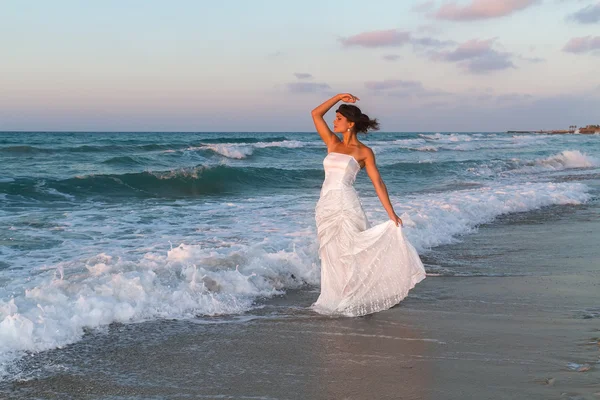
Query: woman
{"type": "Point", "coordinates": [363, 269]}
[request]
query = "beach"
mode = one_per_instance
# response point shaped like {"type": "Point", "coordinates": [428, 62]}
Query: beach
{"type": "Point", "coordinates": [507, 229]}
{"type": "Point", "coordinates": [502, 337]}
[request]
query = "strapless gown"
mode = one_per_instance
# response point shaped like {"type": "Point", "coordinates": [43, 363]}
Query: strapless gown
{"type": "Point", "coordinates": [363, 269]}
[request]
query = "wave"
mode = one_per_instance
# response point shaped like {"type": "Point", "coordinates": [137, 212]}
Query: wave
{"type": "Point", "coordinates": [425, 148]}
{"type": "Point", "coordinates": [249, 140]}
{"type": "Point", "coordinates": [185, 182]}
{"type": "Point", "coordinates": [440, 218]}
{"type": "Point", "coordinates": [418, 144]}
{"type": "Point", "coordinates": [227, 150]}
{"type": "Point", "coordinates": [243, 150]}
{"type": "Point", "coordinates": [122, 147]}
{"type": "Point", "coordinates": [56, 308]}
{"type": "Point", "coordinates": [568, 159]}
{"type": "Point", "coordinates": [155, 147]}
{"type": "Point", "coordinates": [448, 138]}
{"type": "Point", "coordinates": [82, 149]}
{"type": "Point", "coordinates": [441, 168]}
{"type": "Point", "coordinates": [198, 181]}
{"type": "Point", "coordinates": [126, 161]}
{"type": "Point", "coordinates": [93, 148]}
{"type": "Point", "coordinates": [205, 180]}
{"type": "Point", "coordinates": [476, 142]}
{"type": "Point", "coordinates": [25, 149]}
{"type": "Point", "coordinates": [53, 307]}
{"type": "Point", "coordinates": [458, 142]}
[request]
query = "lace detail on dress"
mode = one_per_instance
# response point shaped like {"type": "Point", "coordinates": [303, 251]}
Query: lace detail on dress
{"type": "Point", "coordinates": [363, 269]}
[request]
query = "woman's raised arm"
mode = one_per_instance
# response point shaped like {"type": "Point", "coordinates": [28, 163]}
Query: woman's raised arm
{"type": "Point", "coordinates": [317, 114]}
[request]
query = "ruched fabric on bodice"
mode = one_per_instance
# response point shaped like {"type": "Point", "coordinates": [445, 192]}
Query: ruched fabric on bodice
{"type": "Point", "coordinates": [363, 269]}
{"type": "Point", "coordinates": [340, 172]}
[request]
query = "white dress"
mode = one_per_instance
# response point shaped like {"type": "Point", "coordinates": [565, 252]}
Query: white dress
{"type": "Point", "coordinates": [363, 269]}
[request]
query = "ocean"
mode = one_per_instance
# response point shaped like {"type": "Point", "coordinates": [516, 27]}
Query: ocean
{"type": "Point", "coordinates": [98, 229]}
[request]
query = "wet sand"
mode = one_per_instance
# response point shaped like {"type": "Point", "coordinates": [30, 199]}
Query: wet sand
{"type": "Point", "coordinates": [535, 336]}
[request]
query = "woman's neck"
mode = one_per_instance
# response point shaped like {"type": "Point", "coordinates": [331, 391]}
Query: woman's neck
{"type": "Point", "coordinates": [349, 139]}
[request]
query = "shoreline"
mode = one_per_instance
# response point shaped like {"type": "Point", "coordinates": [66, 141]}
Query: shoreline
{"type": "Point", "coordinates": [534, 336]}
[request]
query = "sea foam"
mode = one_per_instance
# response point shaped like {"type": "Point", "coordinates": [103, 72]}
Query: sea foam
{"type": "Point", "coordinates": [567, 159]}
{"type": "Point", "coordinates": [439, 218]}
{"type": "Point", "coordinates": [52, 307]}
{"type": "Point", "coordinates": [243, 150]}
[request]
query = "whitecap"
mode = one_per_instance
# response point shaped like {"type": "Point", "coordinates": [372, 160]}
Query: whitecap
{"type": "Point", "coordinates": [568, 159]}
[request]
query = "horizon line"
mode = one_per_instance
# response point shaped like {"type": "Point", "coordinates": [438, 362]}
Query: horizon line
{"type": "Point", "coordinates": [119, 131]}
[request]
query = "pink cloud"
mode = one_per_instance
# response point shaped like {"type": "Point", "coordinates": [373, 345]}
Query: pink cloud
{"type": "Point", "coordinates": [470, 49]}
{"type": "Point", "coordinates": [384, 38]}
{"type": "Point", "coordinates": [582, 44]}
{"type": "Point", "coordinates": [392, 38]}
{"type": "Point", "coordinates": [481, 9]}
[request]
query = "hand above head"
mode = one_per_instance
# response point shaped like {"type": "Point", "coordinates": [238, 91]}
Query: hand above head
{"type": "Point", "coordinates": [348, 98]}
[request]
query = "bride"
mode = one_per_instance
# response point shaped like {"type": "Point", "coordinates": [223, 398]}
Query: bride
{"type": "Point", "coordinates": [363, 269]}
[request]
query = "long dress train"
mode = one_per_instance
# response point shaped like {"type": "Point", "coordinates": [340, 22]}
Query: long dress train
{"type": "Point", "coordinates": [363, 269]}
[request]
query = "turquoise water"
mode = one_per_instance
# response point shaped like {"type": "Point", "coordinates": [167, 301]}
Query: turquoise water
{"type": "Point", "coordinates": [99, 228]}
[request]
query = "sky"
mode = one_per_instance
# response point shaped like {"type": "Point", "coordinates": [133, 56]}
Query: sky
{"type": "Point", "coordinates": [263, 65]}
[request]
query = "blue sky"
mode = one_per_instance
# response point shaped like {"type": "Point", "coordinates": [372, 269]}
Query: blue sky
{"type": "Point", "coordinates": [470, 65]}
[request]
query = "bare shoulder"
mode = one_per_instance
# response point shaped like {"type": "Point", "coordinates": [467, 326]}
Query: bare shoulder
{"type": "Point", "coordinates": [366, 154]}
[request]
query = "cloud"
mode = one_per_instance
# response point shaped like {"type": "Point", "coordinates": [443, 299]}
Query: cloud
{"type": "Point", "coordinates": [391, 57]}
{"type": "Point", "coordinates": [583, 44]}
{"type": "Point", "coordinates": [587, 15]}
{"type": "Point", "coordinates": [481, 9]}
{"type": "Point", "coordinates": [471, 49]}
{"type": "Point", "coordinates": [431, 42]}
{"type": "Point", "coordinates": [390, 38]}
{"type": "Point", "coordinates": [491, 62]}
{"type": "Point", "coordinates": [302, 75]}
{"type": "Point", "coordinates": [383, 38]}
{"type": "Point", "coordinates": [476, 56]}
{"type": "Point", "coordinates": [307, 87]}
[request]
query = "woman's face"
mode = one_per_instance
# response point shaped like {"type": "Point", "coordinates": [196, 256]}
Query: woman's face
{"type": "Point", "coordinates": [341, 123]}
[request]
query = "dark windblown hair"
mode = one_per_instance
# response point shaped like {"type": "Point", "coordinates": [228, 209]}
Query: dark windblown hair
{"type": "Point", "coordinates": [362, 122]}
